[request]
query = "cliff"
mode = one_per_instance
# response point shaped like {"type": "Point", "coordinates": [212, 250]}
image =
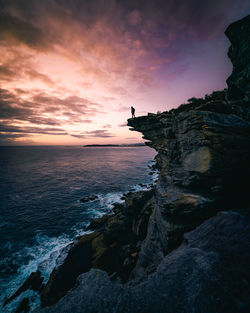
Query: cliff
{"type": "Point", "coordinates": [181, 246]}
{"type": "Point", "coordinates": [239, 80]}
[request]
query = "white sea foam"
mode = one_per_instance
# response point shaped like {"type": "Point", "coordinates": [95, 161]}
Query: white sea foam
{"type": "Point", "coordinates": [43, 256]}
{"type": "Point", "coordinates": [50, 252]}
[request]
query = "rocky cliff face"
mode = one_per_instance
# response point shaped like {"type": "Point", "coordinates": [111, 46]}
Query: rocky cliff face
{"type": "Point", "coordinates": [180, 247]}
{"type": "Point", "coordinates": [207, 273]}
{"type": "Point", "coordinates": [203, 156]}
{"type": "Point", "coordinates": [239, 81]}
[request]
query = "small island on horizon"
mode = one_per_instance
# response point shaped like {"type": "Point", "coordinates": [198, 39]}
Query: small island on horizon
{"type": "Point", "coordinates": [175, 242]}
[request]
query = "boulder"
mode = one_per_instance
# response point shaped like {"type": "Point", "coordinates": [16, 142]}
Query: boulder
{"type": "Point", "coordinates": [34, 282]}
{"type": "Point", "coordinates": [89, 198]}
{"type": "Point", "coordinates": [114, 240]}
{"type": "Point", "coordinates": [23, 306]}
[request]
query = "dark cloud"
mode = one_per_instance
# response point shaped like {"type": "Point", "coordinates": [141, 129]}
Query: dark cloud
{"type": "Point", "coordinates": [20, 66]}
{"type": "Point", "coordinates": [6, 73]}
{"type": "Point", "coordinates": [120, 45]}
{"type": "Point", "coordinates": [99, 133]}
{"type": "Point", "coordinates": [10, 136]}
{"type": "Point", "coordinates": [11, 139]}
{"type": "Point", "coordinates": [153, 23]}
{"type": "Point", "coordinates": [13, 29]}
{"type": "Point", "coordinates": [34, 110]}
{"type": "Point", "coordinates": [32, 130]}
{"type": "Point", "coordinates": [73, 109]}
{"type": "Point", "coordinates": [33, 74]}
{"type": "Point", "coordinates": [78, 136]}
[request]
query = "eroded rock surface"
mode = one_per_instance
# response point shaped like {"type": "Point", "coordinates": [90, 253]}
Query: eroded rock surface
{"type": "Point", "coordinates": [239, 81]}
{"type": "Point", "coordinates": [112, 247]}
{"type": "Point", "coordinates": [171, 249]}
{"type": "Point", "coordinates": [207, 273]}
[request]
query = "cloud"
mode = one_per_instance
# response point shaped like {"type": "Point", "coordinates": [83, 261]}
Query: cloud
{"type": "Point", "coordinates": [32, 130]}
{"type": "Point", "coordinates": [14, 29]}
{"type": "Point", "coordinates": [107, 126]}
{"type": "Point", "coordinates": [129, 39]}
{"type": "Point", "coordinates": [33, 74]}
{"type": "Point", "coordinates": [99, 133]}
{"type": "Point", "coordinates": [10, 139]}
{"type": "Point", "coordinates": [64, 62]}
{"type": "Point", "coordinates": [35, 108]}
{"type": "Point", "coordinates": [123, 124]}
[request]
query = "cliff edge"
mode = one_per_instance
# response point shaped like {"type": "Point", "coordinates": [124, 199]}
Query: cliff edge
{"type": "Point", "coordinates": [183, 245]}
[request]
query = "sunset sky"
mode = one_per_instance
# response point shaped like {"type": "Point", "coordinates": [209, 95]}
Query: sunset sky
{"type": "Point", "coordinates": [71, 69]}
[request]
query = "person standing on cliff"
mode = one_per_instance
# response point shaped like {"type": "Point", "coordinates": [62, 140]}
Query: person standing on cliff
{"type": "Point", "coordinates": [133, 112]}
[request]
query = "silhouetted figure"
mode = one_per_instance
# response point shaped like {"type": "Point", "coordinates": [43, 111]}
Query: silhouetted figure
{"type": "Point", "coordinates": [133, 112]}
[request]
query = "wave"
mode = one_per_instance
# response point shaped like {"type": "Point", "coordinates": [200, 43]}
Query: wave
{"type": "Point", "coordinates": [50, 252]}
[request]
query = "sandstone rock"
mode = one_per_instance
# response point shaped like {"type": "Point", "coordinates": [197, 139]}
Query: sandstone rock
{"type": "Point", "coordinates": [155, 263]}
{"type": "Point", "coordinates": [207, 273]}
{"type": "Point", "coordinates": [115, 239]}
{"type": "Point", "coordinates": [203, 157]}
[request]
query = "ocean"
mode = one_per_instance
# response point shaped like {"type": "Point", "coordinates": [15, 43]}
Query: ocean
{"type": "Point", "coordinates": [40, 208]}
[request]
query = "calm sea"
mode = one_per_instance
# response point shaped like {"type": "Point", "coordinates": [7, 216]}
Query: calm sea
{"type": "Point", "coordinates": [40, 208]}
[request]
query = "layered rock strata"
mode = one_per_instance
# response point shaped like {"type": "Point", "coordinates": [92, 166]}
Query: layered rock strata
{"type": "Point", "coordinates": [239, 81]}
{"type": "Point", "coordinates": [203, 158]}
{"type": "Point", "coordinates": [182, 246]}
{"type": "Point", "coordinates": [207, 273]}
{"type": "Point", "coordinates": [112, 247]}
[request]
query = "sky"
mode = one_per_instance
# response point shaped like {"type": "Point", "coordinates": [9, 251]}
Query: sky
{"type": "Point", "coordinates": [71, 69]}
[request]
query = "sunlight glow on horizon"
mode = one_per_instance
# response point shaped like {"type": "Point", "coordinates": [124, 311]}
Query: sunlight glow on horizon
{"type": "Point", "coordinates": [69, 72]}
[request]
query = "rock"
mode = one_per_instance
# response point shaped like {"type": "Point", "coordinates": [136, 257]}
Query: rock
{"type": "Point", "coordinates": [23, 306]}
{"type": "Point", "coordinates": [239, 82]}
{"type": "Point", "coordinates": [207, 273]}
{"type": "Point", "coordinates": [117, 206]}
{"type": "Point", "coordinates": [131, 189]}
{"type": "Point", "coordinates": [89, 198]}
{"type": "Point", "coordinates": [203, 157]}
{"type": "Point", "coordinates": [115, 239]}
{"type": "Point", "coordinates": [34, 282]}
{"type": "Point", "coordinates": [98, 223]}
{"type": "Point", "coordinates": [78, 260]}
{"type": "Point", "coordinates": [168, 249]}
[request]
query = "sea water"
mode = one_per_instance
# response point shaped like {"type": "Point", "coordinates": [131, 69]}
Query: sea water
{"type": "Point", "coordinates": [40, 208]}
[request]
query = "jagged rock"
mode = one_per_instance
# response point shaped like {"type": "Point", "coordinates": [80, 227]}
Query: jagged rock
{"type": "Point", "coordinates": [98, 223]}
{"type": "Point", "coordinates": [239, 53]}
{"type": "Point", "coordinates": [207, 273]}
{"type": "Point", "coordinates": [104, 248]}
{"type": "Point", "coordinates": [89, 198]}
{"type": "Point", "coordinates": [23, 306]}
{"type": "Point", "coordinates": [203, 161]}
{"type": "Point", "coordinates": [203, 157]}
{"type": "Point", "coordinates": [34, 282]}
{"type": "Point", "coordinates": [202, 167]}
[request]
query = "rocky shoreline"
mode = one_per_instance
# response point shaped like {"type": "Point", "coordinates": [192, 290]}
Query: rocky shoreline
{"type": "Point", "coordinates": [182, 245]}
